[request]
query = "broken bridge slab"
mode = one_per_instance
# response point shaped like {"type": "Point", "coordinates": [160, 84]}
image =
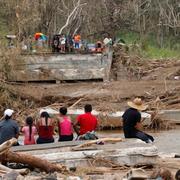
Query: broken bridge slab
{"type": "Point", "coordinates": [58, 67]}
{"type": "Point", "coordinates": [129, 152]}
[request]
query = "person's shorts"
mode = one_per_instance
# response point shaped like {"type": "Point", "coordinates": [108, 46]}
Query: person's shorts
{"type": "Point", "coordinates": [88, 136]}
{"type": "Point", "coordinates": [43, 141]}
{"type": "Point", "coordinates": [66, 137]}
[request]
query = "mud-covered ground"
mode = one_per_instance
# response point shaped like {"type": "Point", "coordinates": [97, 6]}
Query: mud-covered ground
{"type": "Point", "coordinates": [108, 96]}
{"type": "Point", "coordinates": [157, 82]}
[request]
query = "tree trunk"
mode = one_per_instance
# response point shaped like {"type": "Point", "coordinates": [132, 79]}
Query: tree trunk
{"type": "Point", "coordinates": [8, 156]}
{"type": "Point", "coordinates": [32, 161]}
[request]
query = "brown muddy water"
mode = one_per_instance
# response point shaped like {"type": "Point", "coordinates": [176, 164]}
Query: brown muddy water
{"type": "Point", "coordinates": [167, 141]}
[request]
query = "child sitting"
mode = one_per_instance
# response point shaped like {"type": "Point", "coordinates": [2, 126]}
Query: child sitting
{"type": "Point", "coordinates": [29, 132]}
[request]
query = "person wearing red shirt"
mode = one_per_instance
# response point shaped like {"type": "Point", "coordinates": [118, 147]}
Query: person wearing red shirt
{"type": "Point", "coordinates": [45, 128]}
{"type": "Point", "coordinates": [86, 122]}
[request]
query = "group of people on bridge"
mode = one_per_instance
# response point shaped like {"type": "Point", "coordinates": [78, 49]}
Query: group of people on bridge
{"type": "Point", "coordinates": [67, 44]}
{"type": "Point", "coordinates": [63, 43]}
{"type": "Point", "coordinates": [84, 125]}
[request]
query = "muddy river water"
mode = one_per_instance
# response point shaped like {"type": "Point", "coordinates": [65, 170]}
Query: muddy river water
{"type": "Point", "coordinates": [167, 141]}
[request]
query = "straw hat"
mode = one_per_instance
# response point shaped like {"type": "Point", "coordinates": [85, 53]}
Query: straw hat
{"type": "Point", "coordinates": [137, 104]}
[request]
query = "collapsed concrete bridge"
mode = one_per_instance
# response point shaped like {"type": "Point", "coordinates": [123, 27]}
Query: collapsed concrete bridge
{"type": "Point", "coordinates": [62, 67]}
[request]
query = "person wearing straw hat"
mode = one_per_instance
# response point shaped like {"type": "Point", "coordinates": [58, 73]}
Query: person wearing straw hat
{"type": "Point", "coordinates": [132, 121]}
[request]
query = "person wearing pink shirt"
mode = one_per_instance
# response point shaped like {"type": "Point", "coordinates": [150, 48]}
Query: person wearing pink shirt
{"type": "Point", "coordinates": [65, 126]}
{"type": "Point", "coordinates": [29, 131]}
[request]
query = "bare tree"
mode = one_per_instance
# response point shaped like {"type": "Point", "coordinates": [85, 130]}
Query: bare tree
{"type": "Point", "coordinates": [93, 18]}
{"type": "Point", "coordinates": [76, 11]}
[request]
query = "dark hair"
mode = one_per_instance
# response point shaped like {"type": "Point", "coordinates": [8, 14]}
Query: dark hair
{"type": "Point", "coordinates": [88, 108]}
{"type": "Point", "coordinates": [46, 116]}
{"type": "Point", "coordinates": [29, 121]}
{"type": "Point", "coordinates": [7, 117]}
{"type": "Point", "coordinates": [63, 110]}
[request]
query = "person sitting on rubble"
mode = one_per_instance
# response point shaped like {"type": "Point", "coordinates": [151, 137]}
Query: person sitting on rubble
{"type": "Point", "coordinates": [87, 123]}
{"type": "Point", "coordinates": [29, 131]}
{"type": "Point", "coordinates": [65, 126]}
{"type": "Point", "coordinates": [132, 121]}
{"type": "Point", "coordinates": [8, 127]}
{"type": "Point", "coordinates": [45, 128]}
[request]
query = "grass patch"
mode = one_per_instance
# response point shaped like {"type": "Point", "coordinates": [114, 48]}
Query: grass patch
{"type": "Point", "coordinates": [3, 28]}
{"type": "Point", "coordinates": [147, 46]}
{"type": "Point", "coordinates": [130, 37]}
{"type": "Point", "coordinates": [3, 23]}
{"type": "Point", "coordinates": [154, 52]}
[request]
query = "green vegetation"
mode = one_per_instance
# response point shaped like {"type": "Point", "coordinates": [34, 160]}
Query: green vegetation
{"type": "Point", "coordinates": [147, 46]}
{"type": "Point", "coordinates": [3, 23]}
{"type": "Point", "coordinates": [155, 52]}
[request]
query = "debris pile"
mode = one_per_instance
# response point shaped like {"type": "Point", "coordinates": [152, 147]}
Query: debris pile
{"type": "Point", "coordinates": [165, 100]}
{"type": "Point", "coordinates": [134, 67]}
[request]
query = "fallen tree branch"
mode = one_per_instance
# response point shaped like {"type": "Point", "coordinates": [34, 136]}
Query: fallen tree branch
{"type": "Point", "coordinates": [32, 161]}
{"type": "Point", "coordinates": [89, 143]}
{"type": "Point", "coordinates": [175, 101]}
{"type": "Point", "coordinates": [6, 169]}
{"type": "Point", "coordinates": [6, 145]}
{"type": "Point", "coordinates": [23, 158]}
{"type": "Point", "coordinates": [76, 103]}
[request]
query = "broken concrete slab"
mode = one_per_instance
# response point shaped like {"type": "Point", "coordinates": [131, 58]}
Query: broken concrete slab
{"type": "Point", "coordinates": [58, 67]}
{"type": "Point", "coordinates": [122, 153]}
{"type": "Point", "coordinates": [129, 156]}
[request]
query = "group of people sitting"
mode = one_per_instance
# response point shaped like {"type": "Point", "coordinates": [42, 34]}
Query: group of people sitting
{"type": "Point", "coordinates": [45, 127]}
{"type": "Point", "coordinates": [85, 125]}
